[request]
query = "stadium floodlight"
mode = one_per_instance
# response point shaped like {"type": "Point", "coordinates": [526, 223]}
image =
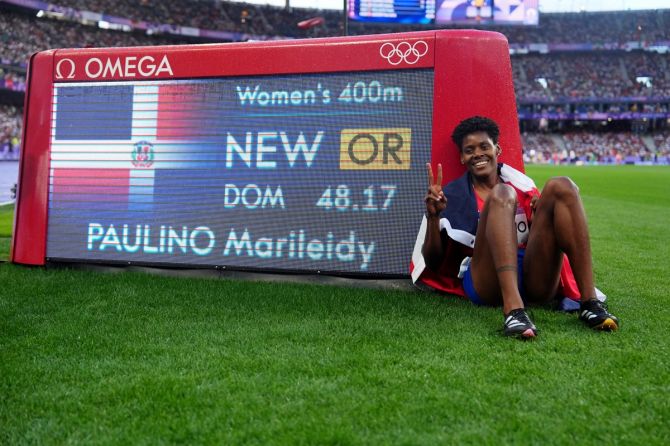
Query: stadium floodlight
{"type": "Point", "coordinates": [644, 80]}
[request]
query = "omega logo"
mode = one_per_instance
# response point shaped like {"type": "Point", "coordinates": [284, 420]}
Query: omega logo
{"type": "Point", "coordinates": [60, 66]}
{"type": "Point", "coordinates": [127, 66]}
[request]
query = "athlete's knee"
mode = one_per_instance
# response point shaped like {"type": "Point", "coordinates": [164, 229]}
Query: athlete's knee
{"type": "Point", "coordinates": [503, 195]}
{"type": "Point", "coordinates": [562, 188]}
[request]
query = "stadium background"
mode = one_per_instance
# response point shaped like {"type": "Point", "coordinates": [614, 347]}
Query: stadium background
{"type": "Point", "coordinates": [134, 358]}
{"type": "Point", "coordinates": [592, 87]}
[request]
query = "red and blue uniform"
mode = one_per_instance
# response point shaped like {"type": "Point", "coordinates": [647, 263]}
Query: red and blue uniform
{"type": "Point", "coordinates": [460, 219]}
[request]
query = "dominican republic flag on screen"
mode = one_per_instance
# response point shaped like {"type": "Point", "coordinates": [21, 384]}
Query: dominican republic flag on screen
{"type": "Point", "coordinates": [107, 141]}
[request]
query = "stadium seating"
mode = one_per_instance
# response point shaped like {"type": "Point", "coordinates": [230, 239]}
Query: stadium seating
{"type": "Point", "coordinates": [10, 131]}
{"type": "Point", "coordinates": [22, 35]}
{"type": "Point", "coordinates": [596, 76]}
{"type": "Point", "coordinates": [596, 28]}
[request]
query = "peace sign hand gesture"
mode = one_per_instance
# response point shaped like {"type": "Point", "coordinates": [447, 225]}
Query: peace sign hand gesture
{"type": "Point", "coordinates": [435, 200]}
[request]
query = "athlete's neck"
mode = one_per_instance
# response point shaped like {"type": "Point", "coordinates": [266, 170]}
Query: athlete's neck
{"type": "Point", "coordinates": [485, 184]}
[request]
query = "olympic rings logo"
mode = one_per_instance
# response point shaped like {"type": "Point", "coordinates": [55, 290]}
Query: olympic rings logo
{"type": "Point", "coordinates": [403, 52]}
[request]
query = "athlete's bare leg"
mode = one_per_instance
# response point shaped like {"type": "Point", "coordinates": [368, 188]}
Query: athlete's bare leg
{"type": "Point", "coordinates": [558, 226]}
{"type": "Point", "coordinates": [494, 261]}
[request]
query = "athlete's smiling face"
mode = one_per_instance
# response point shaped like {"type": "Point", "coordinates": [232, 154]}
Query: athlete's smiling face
{"type": "Point", "coordinates": [479, 154]}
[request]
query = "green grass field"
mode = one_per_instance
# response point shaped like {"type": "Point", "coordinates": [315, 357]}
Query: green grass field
{"type": "Point", "coordinates": [93, 358]}
{"type": "Point", "coordinates": [6, 221]}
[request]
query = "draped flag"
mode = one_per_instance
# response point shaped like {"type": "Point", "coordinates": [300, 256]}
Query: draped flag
{"type": "Point", "coordinates": [460, 223]}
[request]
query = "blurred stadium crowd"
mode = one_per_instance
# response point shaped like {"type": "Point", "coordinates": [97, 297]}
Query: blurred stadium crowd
{"type": "Point", "coordinates": [10, 126]}
{"type": "Point", "coordinates": [591, 87]}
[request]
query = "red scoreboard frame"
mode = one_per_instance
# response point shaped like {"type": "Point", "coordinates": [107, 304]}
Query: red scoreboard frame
{"type": "Point", "coordinates": [472, 76]}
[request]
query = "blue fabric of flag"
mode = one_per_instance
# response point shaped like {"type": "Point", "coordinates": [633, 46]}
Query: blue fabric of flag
{"type": "Point", "coordinates": [94, 113]}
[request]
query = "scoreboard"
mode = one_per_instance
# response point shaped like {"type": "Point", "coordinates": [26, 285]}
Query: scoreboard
{"type": "Point", "coordinates": [398, 11]}
{"type": "Point", "coordinates": [446, 12]}
{"type": "Point", "coordinates": [487, 12]}
{"type": "Point", "coordinates": [303, 156]}
{"type": "Point", "coordinates": [292, 172]}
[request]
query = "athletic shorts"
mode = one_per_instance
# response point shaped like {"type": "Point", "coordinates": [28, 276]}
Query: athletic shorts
{"type": "Point", "coordinates": [469, 286]}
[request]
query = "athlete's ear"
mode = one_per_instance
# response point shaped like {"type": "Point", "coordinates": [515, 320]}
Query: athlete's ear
{"type": "Point", "coordinates": [499, 151]}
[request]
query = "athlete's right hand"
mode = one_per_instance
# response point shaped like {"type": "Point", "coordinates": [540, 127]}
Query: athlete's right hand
{"type": "Point", "coordinates": [436, 202]}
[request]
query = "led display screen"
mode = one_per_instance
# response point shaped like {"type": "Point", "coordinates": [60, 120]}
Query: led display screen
{"type": "Point", "coordinates": [311, 172]}
{"type": "Point", "coordinates": [399, 11]}
{"type": "Point", "coordinates": [493, 12]}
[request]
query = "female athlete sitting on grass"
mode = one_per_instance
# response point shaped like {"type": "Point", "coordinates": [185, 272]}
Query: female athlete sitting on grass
{"type": "Point", "coordinates": [484, 209]}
